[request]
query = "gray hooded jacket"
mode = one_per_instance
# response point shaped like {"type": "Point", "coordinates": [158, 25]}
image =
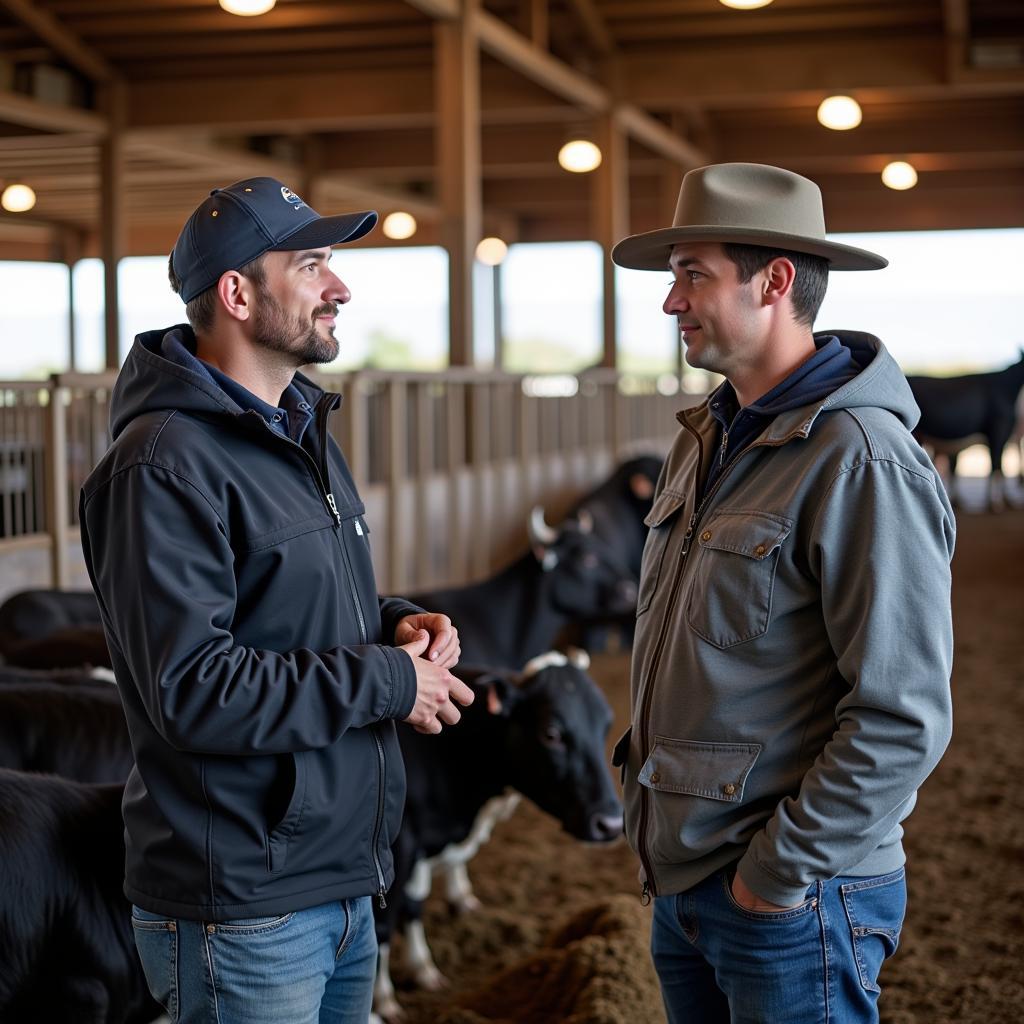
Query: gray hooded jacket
{"type": "Point", "coordinates": [790, 687]}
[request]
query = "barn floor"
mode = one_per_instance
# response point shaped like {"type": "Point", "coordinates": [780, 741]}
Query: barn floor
{"type": "Point", "coordinates": [563, 937]}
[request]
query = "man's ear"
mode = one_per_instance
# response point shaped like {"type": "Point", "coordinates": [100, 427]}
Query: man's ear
{"type": "Point", "coordinates": [235, 294]}
{"type": "Point", "coordinates": [778, 278]}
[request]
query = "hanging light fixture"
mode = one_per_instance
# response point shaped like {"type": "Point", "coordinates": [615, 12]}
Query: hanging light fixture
{"type": "Point", "coordinates": [18, 198]}
{"type": "Point", "coordinates": [579, 156]}
{"type": "Point", "coordinates": [491, 251]}
{"type": "Point", "coordinates": [744, 5]}
{"type": "Point", "coordinates": [247, 8]}
{"type": "Point", "coordinates": [399, 225]}
{"type": "Point", "coordinates": [840, 113]}
{"type": "Point", "coordinates": [899, 175]}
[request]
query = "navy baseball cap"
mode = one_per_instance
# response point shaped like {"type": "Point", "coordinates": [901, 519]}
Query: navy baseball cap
{"type": "Point", "coordinates": [236, 224]}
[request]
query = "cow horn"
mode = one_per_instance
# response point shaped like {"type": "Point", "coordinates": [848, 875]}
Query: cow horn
{"type": "Point", "coordinates": [540, 532]}
{"type": "Point", "coordinates": [541, 662]}
{"type": "Point", "coordinates": [586, 521]}
{"type": "Point", "coordinates": [579, 658]}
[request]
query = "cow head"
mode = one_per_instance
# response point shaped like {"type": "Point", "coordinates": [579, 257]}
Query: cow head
{"type": "Point", "coordinates": [586, 577]}
{"type": "Point", "coordinates": [557, 724]}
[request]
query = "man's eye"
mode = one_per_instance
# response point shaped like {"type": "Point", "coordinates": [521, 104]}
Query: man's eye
{"type": "Point", "coordinates": [693, 274]}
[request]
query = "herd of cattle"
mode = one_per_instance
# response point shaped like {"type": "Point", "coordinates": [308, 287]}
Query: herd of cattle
{"type": "Point", "coordinates": [537, 729]}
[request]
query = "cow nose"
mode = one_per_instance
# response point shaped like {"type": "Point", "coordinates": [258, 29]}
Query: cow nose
{"type": "Point", "coordinates": [605, 827]}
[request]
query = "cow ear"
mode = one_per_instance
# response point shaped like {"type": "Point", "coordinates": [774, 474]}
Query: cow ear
{"type": "Point", "coordinates": [548, 559]}
{"type": "Point", "coordinates": [642, 486]}
{"type": "Point", "coordinates": [497, 694]}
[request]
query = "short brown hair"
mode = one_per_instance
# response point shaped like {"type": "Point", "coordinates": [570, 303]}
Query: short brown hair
{"type": "Point", "coordinates": [811, 274]}
{"type": "Point", "coordinates": [201, 309]}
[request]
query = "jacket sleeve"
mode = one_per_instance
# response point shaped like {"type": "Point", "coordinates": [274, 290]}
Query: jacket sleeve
{"type": "Point", "coordinates": [392, 611]}
{"type": "Point", "coordinates": [162, 568]}
{"type": "Point", "coordinates": [881, 546]}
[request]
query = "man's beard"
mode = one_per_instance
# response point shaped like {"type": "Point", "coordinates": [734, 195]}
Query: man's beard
{"type": "Point", "coordinates": [298, 338]}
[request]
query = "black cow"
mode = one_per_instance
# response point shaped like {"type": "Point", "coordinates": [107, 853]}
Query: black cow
{"type": "Point", "coordinates": [955, 409]}
{"type": "Point", "coordinates": [569, 575]}
{"type": "Point", "coordinates": [618, 507]}
{"type": "Point", "coordinates": [78, 732]}
{"type": "Point", "coordinates": [541, 734]}
{"type": "Point", "coordinates": [66, 946]}
{"type": "Point", "coordinates": [52, 629]}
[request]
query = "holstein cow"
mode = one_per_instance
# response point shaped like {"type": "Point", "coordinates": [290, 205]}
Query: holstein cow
{"type": "Point", "coordinates": [569, 575]}
{"type": "Point", "coordinates": [618, 507]}
{"type": "Point", "coordinates": [956, 411]}
{"type": "Point", "coordinates": [541, 734]}
{"type": "Point", "coordinates": [78, 732]}
{"type": "Point", "coordinates": [66, 948]}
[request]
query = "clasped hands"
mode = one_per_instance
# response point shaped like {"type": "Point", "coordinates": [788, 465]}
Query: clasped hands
{"type": "Point", "coordinates": [432, 642]}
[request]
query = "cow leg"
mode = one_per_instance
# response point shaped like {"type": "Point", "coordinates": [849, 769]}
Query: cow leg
{"type": "Point", "coordinates": [417, 952]}
{"type": "Point", "coordinates": [458, 890]}
{"type": "Point", "coordinates": [951, 487]}
{"type": "Point", "coordinates": [385, 1002]}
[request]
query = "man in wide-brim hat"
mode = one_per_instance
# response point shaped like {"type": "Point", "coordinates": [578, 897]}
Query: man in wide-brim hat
{"type": "Point", "coordinates": [790, 683]}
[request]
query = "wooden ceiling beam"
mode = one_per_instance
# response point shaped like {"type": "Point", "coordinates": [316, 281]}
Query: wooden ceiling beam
{"type": "Point", "coordinates": [49, 117]}
{"type": "Point", "coordinates": [70, 46]}
{"type": "Point", "coordinates": [444, 9]}
{"type": "Point", "coordinates": [594, 25]}
{"type": "Point", "coordinates": [658, 137]}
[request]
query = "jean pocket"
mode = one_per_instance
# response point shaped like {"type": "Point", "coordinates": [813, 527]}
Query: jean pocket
{"type": "Point", "coordinates": [254, 925]}
{"type": "Point", "coordinates": [784, 916]}
{"type": "Point", "coordinates": [661, 519]}
{"type": "Point", "coordinates": [730, 600]}
{"type": "Point", "coordinates": [156, 939]}
{"type": "Point", "coordinates": [875, 909]}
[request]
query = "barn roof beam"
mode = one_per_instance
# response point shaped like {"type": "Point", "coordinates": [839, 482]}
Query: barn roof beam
{"type": "Point", "coordinates": [27, 112]}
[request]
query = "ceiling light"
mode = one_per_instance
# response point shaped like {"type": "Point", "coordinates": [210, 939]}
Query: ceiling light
{"type": "Point", "coordinates": [399, 225]}
{"type": "Point", "coordinates": [18, 198]}
{"type": "Point", "coordinates": [491, 251]}
{"type": "Point", "coordinates": [899, 175]}
{"type": "Point", "coordinates": [579, 156]}
{"type": "Point", "coordinates": [839, 113]}
{"type": "Point", "coordinates": [745, 5]}
{"type": "Point", "coordinates": [247, 8]}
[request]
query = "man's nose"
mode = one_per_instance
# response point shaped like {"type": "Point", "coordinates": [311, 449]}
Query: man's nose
{"type": "Point", "coordinates": [336, 290]}
{"type": "Point", "coordinates": [675, 302]}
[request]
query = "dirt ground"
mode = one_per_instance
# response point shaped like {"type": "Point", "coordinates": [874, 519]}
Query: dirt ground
{"type": "Point", "coordinates": [563, 937]}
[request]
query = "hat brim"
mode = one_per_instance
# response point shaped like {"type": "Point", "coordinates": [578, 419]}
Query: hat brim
{"type": "Point", "coordinates": [651, 250]}
{"type": "Point", "coordinates": [327, 231]}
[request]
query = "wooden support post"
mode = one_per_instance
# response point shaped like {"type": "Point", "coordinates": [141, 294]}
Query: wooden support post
{"type": "Point", "coordinates": [610, 219]}
{"type": "Point", "coordinates": [112, 225]}
{"type": "Point", "coordinates": [457, 63]}
{"type": "Point", "coordinates": [57, 518]}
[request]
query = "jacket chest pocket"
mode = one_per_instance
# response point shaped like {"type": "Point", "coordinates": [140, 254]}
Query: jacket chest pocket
{"type": "Point", "coordinates": [660, 520]}
{"type": "Point", "coordinates": [730, 600]}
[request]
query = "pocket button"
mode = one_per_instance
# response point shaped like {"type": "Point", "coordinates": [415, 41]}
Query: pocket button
{"type": "Point", "coordinates": [760, 550]}
{"type": "Point", "coordinates": [706, 536]}
{"type": "Point", "coordinates": [655, 778]}
{"type": "Point", "coordinates": [729, 788]}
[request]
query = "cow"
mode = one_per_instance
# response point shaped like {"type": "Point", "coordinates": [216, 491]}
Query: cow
{"type": "Point", "coordinates": [78, 732]}
{"type": "Point", "coordinates": [539, 734]}
{"type": "Point", "coordinates": [568, 575]}
{"type": "Point", "coordinates": [955, 409]}
{"type": "Point", "coordinates": [66, 947]}
{"type": "Point", "coordinates": [618, 507]}
{"type": "Point", "coordinates": [52, 629]}
{"type": "Point", "coordinates": [58, 676]}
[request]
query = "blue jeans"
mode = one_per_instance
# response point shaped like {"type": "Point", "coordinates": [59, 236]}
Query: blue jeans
{"type": "Point", "coordinates": [315, 966]}
{"type": "Point", "coordinates": [721, 964]}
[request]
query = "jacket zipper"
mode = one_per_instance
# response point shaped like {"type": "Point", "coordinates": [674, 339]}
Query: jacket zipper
{"type": "Point", "coordinates": [648, 888]}
{"type": "Point", "coordinates": [323, 480]}
{"type": "Point", "coordinates": [378, 743]}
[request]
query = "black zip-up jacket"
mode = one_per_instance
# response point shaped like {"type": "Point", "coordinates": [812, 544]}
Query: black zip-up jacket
{"type": "Point", "coordinates": [249, 644]}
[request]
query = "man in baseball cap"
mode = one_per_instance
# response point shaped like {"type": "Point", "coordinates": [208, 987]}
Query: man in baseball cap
{"type": "Point", "coordinates": [261, 673]}
{"type": "Point", "coordinates": [794, 640]}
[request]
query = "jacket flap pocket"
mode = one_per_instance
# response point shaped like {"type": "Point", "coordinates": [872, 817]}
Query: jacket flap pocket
{"type": "Point", "coordinates": [753, 534]}
{"type": "Point", "coordinates": [714, 770]}
{"type": "Point", "coordinates": [666, 504]}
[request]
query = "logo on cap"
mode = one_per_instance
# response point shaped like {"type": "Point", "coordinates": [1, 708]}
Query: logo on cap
{"type": "Point", "coordinates": [290, 197]}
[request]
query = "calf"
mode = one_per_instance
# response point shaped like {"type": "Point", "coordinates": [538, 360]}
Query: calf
{"type": "Point", "coordinates": [541, 734]}
{"type": "Point", "coordinates": [78, 732]}
{"type": "Point", "coordinates": [66, 946]}
{"type": "Point", "coordinates": [953, 409]}
{"type": "Point", "coordinates": [570, 574]}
